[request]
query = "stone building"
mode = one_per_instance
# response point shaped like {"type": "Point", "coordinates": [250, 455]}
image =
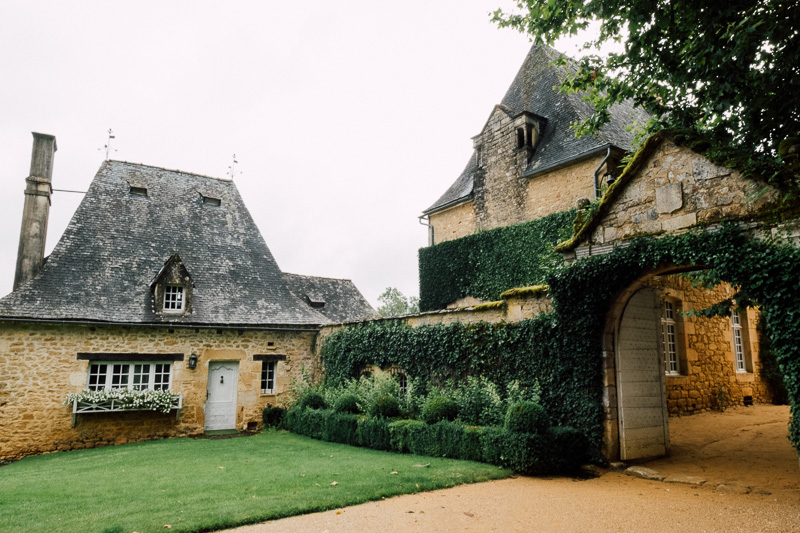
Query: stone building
{"type": "Point", "coordinates": [161, 281]}
{"type": "Point", "coordinates": [527, 163]}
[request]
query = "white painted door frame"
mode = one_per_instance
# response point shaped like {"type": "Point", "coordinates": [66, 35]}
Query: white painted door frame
{"type": "Point", "coordinates": [223, 381]}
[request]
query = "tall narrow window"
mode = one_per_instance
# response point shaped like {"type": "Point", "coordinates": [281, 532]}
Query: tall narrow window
{"type": "Point", "coordinates": [173, 299]}
{"type": "Point", "coordinates": [669, 338]}
{"type": "Point", "coordinates": [738, 341]}
{"type": "Point", "coordinates": [268, 377]}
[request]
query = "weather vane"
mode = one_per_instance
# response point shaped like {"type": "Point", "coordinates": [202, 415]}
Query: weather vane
{"type": "Point", "coordinates": [232, 172]}
{"type": "Point", "coordinates": [107, 146]}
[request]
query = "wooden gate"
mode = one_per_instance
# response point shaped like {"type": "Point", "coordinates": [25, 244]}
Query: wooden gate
{"type": "Point", "coordinates": [643, 424]}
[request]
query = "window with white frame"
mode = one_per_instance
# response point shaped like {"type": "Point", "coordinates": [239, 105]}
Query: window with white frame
{"type": "Point", "coordinates": [669, 338]}
{"type": "Point", "coordinates": [268, 377]}
{"type": "Point", "coordinates": [740, 356]}
{"type": "Point", "coordinates": [130, 375]}
{"type": "Point", "coordinates": [173, 299]}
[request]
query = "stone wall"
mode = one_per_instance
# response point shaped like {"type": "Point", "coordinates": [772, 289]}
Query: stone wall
{"type": "Point", "coordinates": [708, 378]}
{"type": "Point", "coordinates": [677, 189]}
{"type": "Point", "coordinates": [453, 223]}
{"type": "Point", "coordinates": [39, 366]}
{"type": "Point", "coordinates": [559, 190]}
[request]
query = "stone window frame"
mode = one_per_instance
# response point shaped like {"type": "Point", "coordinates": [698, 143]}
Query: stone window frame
{"type": "Point", "coordinates": [742, 358]}
{"type": "Point", "coordinates": [172, 274]}
{"type": "Point", "coordinates": [126, 373]}
{"type": "Point", "coordinates": [269, 365]}
{"type": "Point", "coordinates": [268, 374]}
{"type": "Point", "coordinates": [673, 351]}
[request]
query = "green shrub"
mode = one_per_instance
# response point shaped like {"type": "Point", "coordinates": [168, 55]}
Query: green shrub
{"type": "Point", "coordinates": [385, 407]}
{"type": "Point", "coordinates": [526, 417]}
{"type": "Point", "coordinates": [438, 408]}
{"type": "Point", "coordinates": [374, 433]}
{"type": "Point", "coordinates": [304, 422]}
{"type": "Point", "coordinates": [311, 399]}
{"type": "Point", "coordinates": [341, 427]}
{"type": "Point", "coordinates": [347, 403]}
{"type": "Point", "coordinates": [470, 445]}
{"type": "Point", "coordinates": [400, 432]}
{"type": "Point", "coordinates": [273, 416]}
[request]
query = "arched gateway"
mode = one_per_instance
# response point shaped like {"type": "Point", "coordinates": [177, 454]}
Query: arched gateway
{"type": "Point", "coordinates": [656, 362]}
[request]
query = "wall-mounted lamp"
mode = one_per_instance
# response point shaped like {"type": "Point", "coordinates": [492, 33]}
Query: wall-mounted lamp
{"type": "Point", "coordinates": [193, 361]}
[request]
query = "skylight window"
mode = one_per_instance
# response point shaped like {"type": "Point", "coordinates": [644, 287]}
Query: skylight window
{"type": "Point", "coordinates": [208, 200]}
{"type": "Point", "coordinates": [138, 191]}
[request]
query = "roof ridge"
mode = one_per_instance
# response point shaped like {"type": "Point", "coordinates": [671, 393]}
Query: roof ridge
{"type": "Point", "coordinates": [321, 277]}
{"type": "Point", "coordinates": [186, 172]}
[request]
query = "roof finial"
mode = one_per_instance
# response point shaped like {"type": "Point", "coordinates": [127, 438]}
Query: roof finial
{"type": "Point", "coordinates": [107, 146]}
{"type": "Point", "coordinates": [232, 172]}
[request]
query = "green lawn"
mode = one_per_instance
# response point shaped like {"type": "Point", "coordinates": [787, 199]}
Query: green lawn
{"type": "Point", "coordinates": [203, 485]}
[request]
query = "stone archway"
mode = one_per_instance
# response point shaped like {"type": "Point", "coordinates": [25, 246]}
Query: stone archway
{"type": "Point", "coordinates": [656, 367]}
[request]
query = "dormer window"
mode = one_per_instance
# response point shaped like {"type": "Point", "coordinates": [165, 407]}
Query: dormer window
{"type": "Point", "coordinates": [209, 200]}
{"type": "Point", "coordinates": [173, 298]}
{"type": "Point", "coordinates": [172, 288]}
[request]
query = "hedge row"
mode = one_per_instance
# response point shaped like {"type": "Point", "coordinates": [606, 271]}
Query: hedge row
{"type": "Point", "coordinates": [533, 350]}
{"type": "Point", "coordinates": [556, 450]}
{"type": "Point", "coordinates": [485, 264]}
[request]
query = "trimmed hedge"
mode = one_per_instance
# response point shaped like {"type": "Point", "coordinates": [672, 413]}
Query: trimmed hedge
{"type": "Point", "coordinates": [439, 408]}
{"type": "Point", "coordinates": [485, 264]}
{"type": "Point", "coordinates": [526, 417]}
{"type": "Point", "coordinates": [347, 403]}
{"type": "Point", "coordinates": [558, 450]}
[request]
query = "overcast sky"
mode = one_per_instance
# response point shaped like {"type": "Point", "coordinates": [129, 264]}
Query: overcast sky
{"type": "Point", "coordinates": [347, 118]}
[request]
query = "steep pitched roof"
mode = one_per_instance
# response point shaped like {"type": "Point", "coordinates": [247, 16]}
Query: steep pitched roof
{"type": "Point", "coordinates": [118, 242]}
{"type": "Point", "coordinates": [337, 299]}
{"type": "Point", "coordinates": [533, 91]}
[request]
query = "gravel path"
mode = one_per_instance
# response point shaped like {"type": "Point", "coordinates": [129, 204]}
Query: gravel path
{"type": "Point", "coordinates": [742, 450]}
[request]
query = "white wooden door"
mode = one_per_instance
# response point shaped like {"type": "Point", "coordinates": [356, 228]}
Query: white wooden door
{"type": "Point", "coordinates": [223, 377]}
{"type": "Point", "coordinates": [643, 425]}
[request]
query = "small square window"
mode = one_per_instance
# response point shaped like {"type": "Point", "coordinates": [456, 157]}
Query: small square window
{"type": "Point", "coordinates": [173, 299]}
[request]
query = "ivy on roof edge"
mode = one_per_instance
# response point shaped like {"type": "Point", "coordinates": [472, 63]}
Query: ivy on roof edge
{"type": "Point", "coordinates": [750, 166]}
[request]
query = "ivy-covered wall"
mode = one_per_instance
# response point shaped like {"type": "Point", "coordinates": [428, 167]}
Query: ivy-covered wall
{"type": "Point", "coordinates": [485, 264]}
{"type": "Point", "coordinates": [563, 349]}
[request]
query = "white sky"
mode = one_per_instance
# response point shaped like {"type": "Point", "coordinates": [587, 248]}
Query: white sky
{"type": "Point", "coordinates": [347, 118]}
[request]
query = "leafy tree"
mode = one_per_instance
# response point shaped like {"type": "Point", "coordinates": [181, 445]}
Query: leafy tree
{"type": "Point", "coordinates": [394, 303]}
{"type": "Point", "coordinates": [730, 70]}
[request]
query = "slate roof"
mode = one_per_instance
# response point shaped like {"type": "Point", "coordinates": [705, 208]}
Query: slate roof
{"type": "Point", "coordinates": [337, 299]}
{"type": "Point", "coordinates": [532, 91]}
{"type": "Point", "coordinates": [117, 243]}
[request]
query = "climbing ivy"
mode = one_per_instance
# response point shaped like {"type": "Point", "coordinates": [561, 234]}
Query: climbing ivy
{"type": "Point", "coordinates": [563, 349]}
{"type": "Point", "coordinates": [485, 264]}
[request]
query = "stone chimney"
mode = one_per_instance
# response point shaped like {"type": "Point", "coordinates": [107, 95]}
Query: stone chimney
{"type": "Point", "coordinates": [38, 190]}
